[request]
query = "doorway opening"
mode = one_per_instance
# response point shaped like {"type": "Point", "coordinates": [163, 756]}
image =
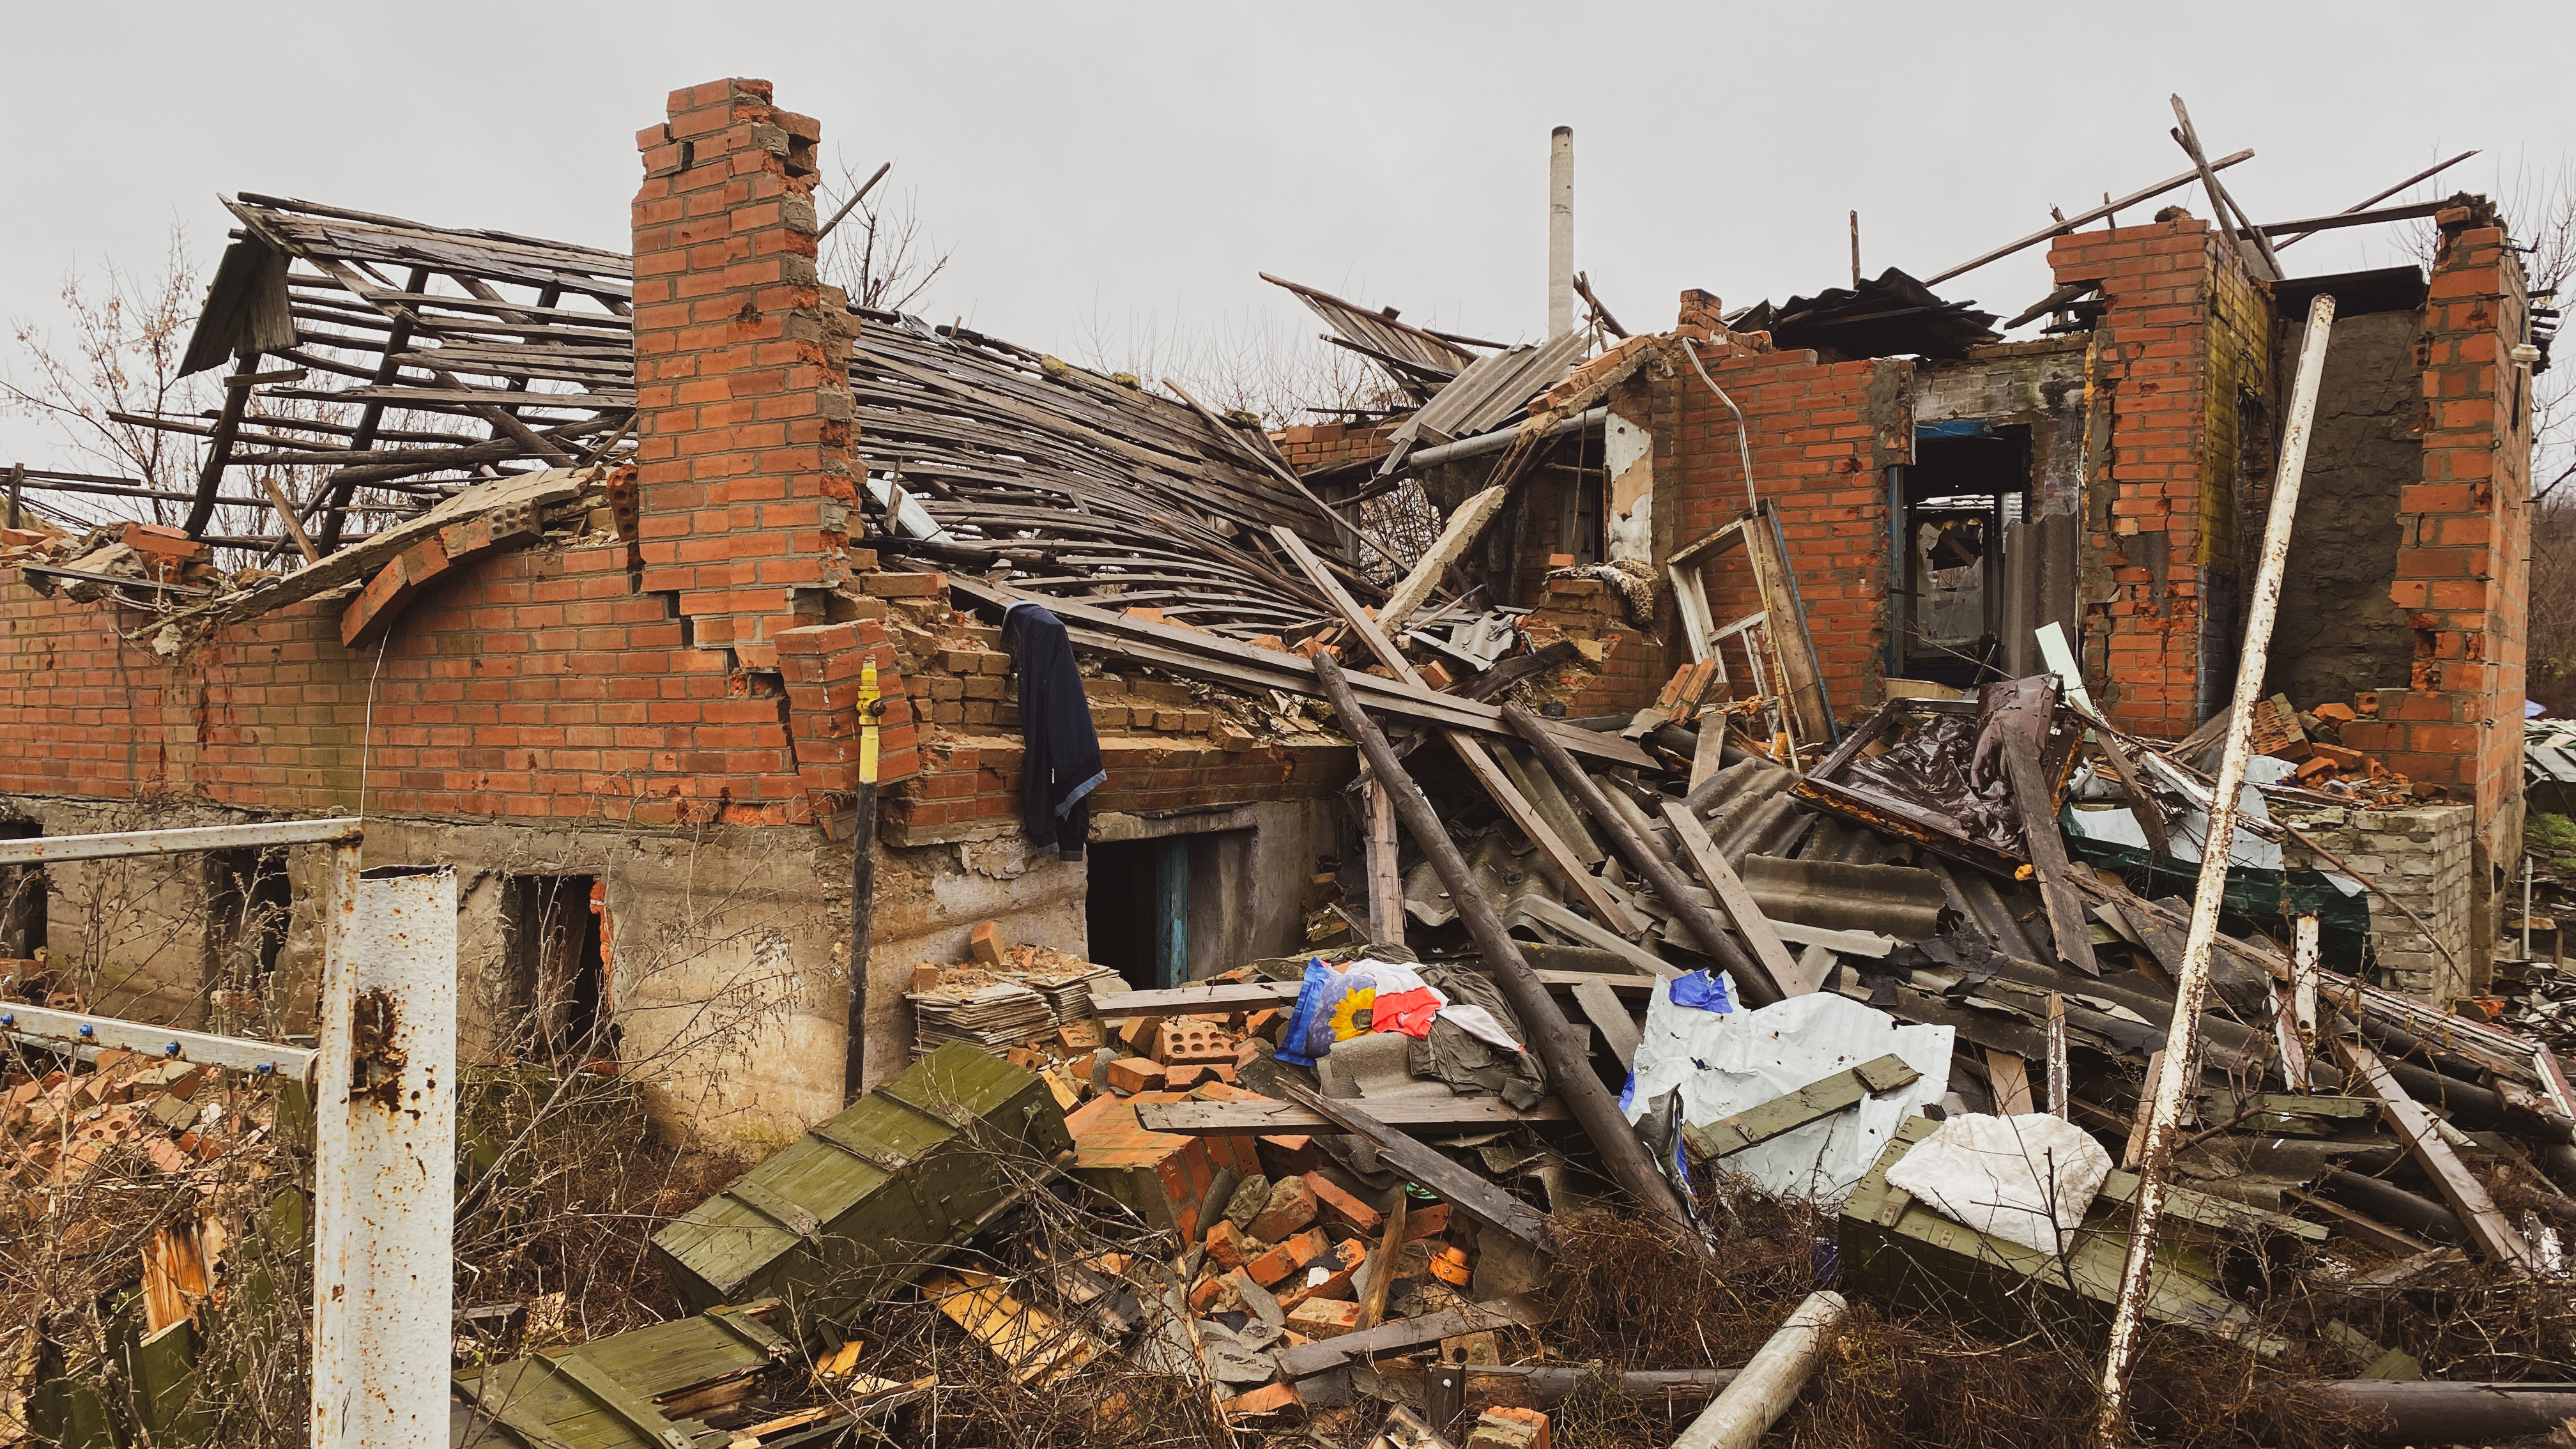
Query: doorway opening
{"type": "Point", "coordinates": [1963, 491]}
{"type": "Point", "coordinates": [1162, 912]}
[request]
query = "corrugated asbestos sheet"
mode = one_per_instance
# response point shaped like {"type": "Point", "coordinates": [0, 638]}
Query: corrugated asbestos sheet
{"type": "Point", "coordinates": [1492, 391]}
{"type": "Point", "coordinates": [1414, 356]}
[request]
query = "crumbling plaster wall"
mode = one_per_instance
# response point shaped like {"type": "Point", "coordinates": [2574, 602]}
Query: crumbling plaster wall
{"type": "Point", "coordinates": [2339, 632]}
{"type": "Point", "coordinates": [2038, 385]}
{"type": "Point", "coordinates": [132, 937]}
{"type": "Point", "coordinates": [929, 899]}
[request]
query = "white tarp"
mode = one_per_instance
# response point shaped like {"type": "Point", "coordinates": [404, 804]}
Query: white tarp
{"type": "Point", "coordinates": [1724, 1062]}
{"type": "Point", "coordinates": [2025, 1179]}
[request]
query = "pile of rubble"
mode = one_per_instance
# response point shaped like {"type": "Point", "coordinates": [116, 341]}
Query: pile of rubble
{"type": "Point", "coordinates": [1885, 1061]}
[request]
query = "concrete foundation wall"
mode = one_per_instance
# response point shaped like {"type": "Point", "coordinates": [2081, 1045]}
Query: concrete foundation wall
{"type": "Point", "coordinates": [726, 967]}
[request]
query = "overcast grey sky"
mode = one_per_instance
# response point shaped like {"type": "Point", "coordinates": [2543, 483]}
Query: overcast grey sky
{"type": "Point", "coordinates": [1137, 164]}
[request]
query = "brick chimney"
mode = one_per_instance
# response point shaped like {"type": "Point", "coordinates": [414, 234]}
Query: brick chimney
{"type": "Point", "coordinates": [743, 423]}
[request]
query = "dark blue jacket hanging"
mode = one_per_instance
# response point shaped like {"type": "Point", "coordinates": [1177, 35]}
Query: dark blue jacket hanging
{"type": "Point", "coordinates": [1062, 752]}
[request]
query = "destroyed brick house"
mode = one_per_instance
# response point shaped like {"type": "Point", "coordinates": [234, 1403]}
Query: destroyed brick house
{"type": "Point", "coordinates": [627, 681]}
{"type": "Point", "coordinates": [1831, 664]}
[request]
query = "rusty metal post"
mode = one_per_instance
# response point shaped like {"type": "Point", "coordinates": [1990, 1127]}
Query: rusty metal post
{"type": "Point", "coordinates": [384, 1174]}
{"type": "Point", "coordinates": [2172, 1085]}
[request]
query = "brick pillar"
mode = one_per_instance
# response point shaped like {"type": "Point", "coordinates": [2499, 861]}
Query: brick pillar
{"type": "Point", "coordinates": [2184, 334]}
{"type": "Point", "coordinates": [2463, 564]}
{"type": "Point", "coordinates": [744, 424]}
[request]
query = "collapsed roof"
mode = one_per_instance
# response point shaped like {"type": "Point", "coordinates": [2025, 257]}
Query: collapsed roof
{"type": "Point", "coordinates": [1083, 481]}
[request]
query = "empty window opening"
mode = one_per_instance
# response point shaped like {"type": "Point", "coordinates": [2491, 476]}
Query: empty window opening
{"type": "Point", "coordinates": [556, 1004]}
{"type": "Point", "coordinates": [249, 902]}
{"type": "Point", "coordinates": [22, 900]}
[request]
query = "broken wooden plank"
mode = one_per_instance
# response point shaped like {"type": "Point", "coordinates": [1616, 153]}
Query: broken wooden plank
{"type": "Point", "coordinates": [1210, 656]}
{"type": "Point", "coordinates": [2056, 1054]}
{"type": "Point", "coordinates": [1753, 980]}
{"type": "Point", "coordinates": [2046, 847]}
{"type": "Point", "coordinates": [2010, 1078]}
{"type": "Point", "coordinates": [1386, 884]}
{"type": "Point", "coordinates": [2495, 1234]}
{"type": "Point", "coordinates": [1471, 752]}
{"type": "Point", "coordinates": [1543, 1385]}
{"type": "Point", "coordinates": [1733, 898]}
{"type": "Point", "coordinates": [1460, 1188]}
{"type": "Point", "coordinates": [1420, 1114]}
{"type": "Point", "coordinates": [1557, 917]}
{"type": "Point", "coordinates": [1407, 1334]}
{"type": "Point", "coordinates": [2142, 806]}
{"type": "Point", "coordinates": [2212, 1211]}
{"type": "Point", "coordinates": [1254, 995]}
{"type": "Point", "coordinates": [1551, 1037]}
{"type": "Point", "coordinates": [1609, 1017]}
{"type": "Point", "coordinates": [1815, 1101]}
{"type": "Point", "coordinates": [534, 490]}
{"type": "Point", "coordinates": [1035, 1345]}
{"type": "Point", "coordinates": [1382, 1264]}
{"type": "Point", "coordinates": [2363, 1226]}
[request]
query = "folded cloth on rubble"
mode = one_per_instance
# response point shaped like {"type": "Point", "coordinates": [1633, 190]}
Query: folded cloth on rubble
{"type": "Point", "coordinates": [2025, 1179]}
{"type": "Point", "coordinates": [1474, 1043]}
{"type": "Point", "coordinates": [1408, 1013]}
{"type": "Point", "coordinates": [1715, 1064]}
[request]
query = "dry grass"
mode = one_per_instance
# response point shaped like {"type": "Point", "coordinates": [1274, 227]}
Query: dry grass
{"type": "Point", "coordinates": [1632, 1296]}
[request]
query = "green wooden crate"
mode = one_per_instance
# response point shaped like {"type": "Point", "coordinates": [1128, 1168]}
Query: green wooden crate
{"type": "Point", "coordinates": [1904, 1252]}
{"type": "Point", "coordinates": [873, 1197]}
{"type": "Point", "coordinates": [628, 1389]}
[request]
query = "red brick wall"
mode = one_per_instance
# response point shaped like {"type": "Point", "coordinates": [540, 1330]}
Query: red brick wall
{"type": "Point", "coordinates": [1823, 436]}
{"type": "Point", "coordinates": [1310, 446]}
{"type": "Point", "coordinates": [2146, 490]}
{"type": "Point", "coordinates": [528, 686]}
{"type": "Point", "coordinates": [2463, 566]}
{"type": "Point", "coordinates": [971, 787]}
{"type": "Point", "coordinates": [741, 369]}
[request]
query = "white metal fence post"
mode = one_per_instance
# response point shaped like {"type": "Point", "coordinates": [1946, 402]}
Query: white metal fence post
{"type": "Point", "coordinates": [384, 1190]}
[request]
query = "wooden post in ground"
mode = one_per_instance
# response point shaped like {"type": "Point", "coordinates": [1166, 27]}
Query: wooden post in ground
{"type": "Point", "coordinates": [2170, 1087]}
{"type": "Point", "coordinates": [1386, 883]}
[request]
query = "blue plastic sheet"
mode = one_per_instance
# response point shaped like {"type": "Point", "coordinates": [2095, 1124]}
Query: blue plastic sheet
{"type": "Point", "coordinates": [1702, 990]}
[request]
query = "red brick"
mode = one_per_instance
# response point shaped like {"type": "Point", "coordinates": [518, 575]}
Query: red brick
{"type": "Point", "coordinates": [1134, 1074]}
{"type": "Point", "coordinates": [1261, 1402]}
{"type": "Point", "coordinates": [1292, 1206]}
{"type": "Point", "coordinates": [1345, 1212]}
{"type": "Point", "coordinates": [1272, 1267]}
